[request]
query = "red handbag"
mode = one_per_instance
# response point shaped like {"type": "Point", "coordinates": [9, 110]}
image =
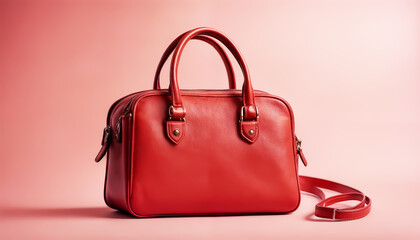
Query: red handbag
{"type": "Point", "coordinates": [210, 152]}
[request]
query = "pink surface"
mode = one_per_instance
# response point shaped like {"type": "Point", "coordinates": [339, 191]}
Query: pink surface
{"type": "Point", "coordinates": [350, 70]}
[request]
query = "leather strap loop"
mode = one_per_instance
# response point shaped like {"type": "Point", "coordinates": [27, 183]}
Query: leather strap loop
{"type": "Point", "coordinates": [312, 185]}
{"type": "Point", "coordinates": [209, 40]}
{"type": "Point", "coordinates": [247, 91]}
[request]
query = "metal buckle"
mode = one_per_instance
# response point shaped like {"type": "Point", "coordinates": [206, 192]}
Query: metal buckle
{"type": "Point", "coordinates": [243, 113]}
{"type": "Point", "coordinates": [334, 212]}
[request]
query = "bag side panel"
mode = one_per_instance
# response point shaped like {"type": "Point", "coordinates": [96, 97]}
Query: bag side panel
{"type": "Point", "coordinates": [213, 170]}
{"type": "Point", "coordinates": [116, 180]}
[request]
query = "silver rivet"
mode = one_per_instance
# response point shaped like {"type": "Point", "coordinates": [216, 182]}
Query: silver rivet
{"type": "Point", "coordinates": [251, 132]}
{"type": "Point", "coordinates": [177, 132]}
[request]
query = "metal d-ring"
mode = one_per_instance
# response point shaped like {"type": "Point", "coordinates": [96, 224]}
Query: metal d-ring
{"type": "Point", "coordinates": [243, 112]}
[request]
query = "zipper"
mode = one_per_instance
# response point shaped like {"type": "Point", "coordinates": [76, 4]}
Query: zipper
{"type": "Point", "coordinates": [118, 126]}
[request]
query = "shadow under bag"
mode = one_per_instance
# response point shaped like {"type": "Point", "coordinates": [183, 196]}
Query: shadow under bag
{"type": "Point", "coordinates": [175, 152]}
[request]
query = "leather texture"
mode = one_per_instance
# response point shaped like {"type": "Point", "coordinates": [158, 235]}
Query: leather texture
{"type": "Point", "coordinates": [175, 152]}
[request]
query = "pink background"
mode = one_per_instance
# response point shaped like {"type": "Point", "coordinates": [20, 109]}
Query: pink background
{"type": "Point", "coordinates": [350, 70]}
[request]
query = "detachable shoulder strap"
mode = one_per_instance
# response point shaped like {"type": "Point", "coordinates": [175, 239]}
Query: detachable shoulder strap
{"type": "Point", "coordinates": [322, 209]}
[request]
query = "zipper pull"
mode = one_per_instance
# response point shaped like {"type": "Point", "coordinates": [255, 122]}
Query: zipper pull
{"type": "Point", "coordinates": [300, 152]}
{"type": "Point", "coordinates": [106, 141]}
{"type": "Point", "coordinates": [118, 129]}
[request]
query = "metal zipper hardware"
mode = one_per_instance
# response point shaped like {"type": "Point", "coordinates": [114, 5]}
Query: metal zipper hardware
{"type": "Point", "coordinates": [118, 130]}
{"type": "Point", "coordinates": [298, 144]}
{"type": "Point", "coordinates": [106, 136]}
{"type": "Point", "coordinates": [118, 125]}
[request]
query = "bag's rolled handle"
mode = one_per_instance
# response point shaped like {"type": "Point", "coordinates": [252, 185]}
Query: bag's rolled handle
{"type": "Point", "coordinates": [249, 113]}
{"type": "Point", "coordinates": [248, 98]}
{"type": "Point", "coordinates": [209, 40]}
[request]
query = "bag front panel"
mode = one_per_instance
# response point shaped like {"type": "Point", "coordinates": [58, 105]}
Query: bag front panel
{"type": "Point", "coordinates": [212, 170]}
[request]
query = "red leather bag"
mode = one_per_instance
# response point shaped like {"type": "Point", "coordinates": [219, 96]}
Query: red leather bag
{"type": "Point", "coordinates": [210, 152]}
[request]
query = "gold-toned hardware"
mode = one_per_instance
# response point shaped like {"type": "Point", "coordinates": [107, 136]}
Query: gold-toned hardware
{"type": "Point", "coordinates": [182, 119]}
{"type": "Point", "coordinates": [243, 112]}
{"type": "Point", "coordinates": [118, 129]}
{"type": "Point", "coordinates": [251, 132]}
{"type": "Point", "coordinates": [106, 136]}
{"type": "Point", "coordinates": [177, 132]}
{"type": "Point", "coordinates": [298, 144]}
{"type": "Point", "coordinates": [171, 111]}
{"type": "Point", "coordinates": [118, 126]}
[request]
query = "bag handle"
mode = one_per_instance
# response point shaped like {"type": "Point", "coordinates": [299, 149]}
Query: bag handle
{"type": "Point", "coordinates": [175, 126]}
{"type": "Point", "coordinates": [209, 40]}
{"type": "Point", "coordinates": [177, 108]}
{"type": "Point", "coordinates": [312, 185]}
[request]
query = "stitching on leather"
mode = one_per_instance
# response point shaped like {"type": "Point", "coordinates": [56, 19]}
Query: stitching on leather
{"type": "Point", "coordinates": [256, 133]}
{"type": "Point", "coordinates": [170, 135]}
